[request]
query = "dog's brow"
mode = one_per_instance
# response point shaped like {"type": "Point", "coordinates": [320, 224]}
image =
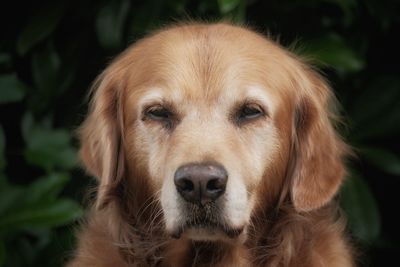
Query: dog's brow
{"type": "Point", "coordinates": [152, 95]}
{"type": "Point", "coordinates": [259, 94]}
{"type": "Point", "coordinates": [158, 94]}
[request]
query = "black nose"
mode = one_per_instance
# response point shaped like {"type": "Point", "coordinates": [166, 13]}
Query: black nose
{"type": "Point", "coordinates": [201, 183]}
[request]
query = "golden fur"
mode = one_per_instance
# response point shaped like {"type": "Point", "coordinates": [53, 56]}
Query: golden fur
{"type": "Point", "coordinates": [285, 166]}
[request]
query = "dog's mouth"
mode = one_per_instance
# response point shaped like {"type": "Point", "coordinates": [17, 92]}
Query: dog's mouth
{"type": "Point", "coordinates": [205, 223]}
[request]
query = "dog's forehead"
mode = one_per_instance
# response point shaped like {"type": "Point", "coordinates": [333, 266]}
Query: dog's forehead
{"type": "Point", "coordinates": [211, 63]}
{"type": "Point", "coordinates": [227, 96]}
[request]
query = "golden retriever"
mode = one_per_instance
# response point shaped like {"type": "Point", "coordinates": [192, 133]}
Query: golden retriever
{"type": "Point", "coordinates": [213, 146]}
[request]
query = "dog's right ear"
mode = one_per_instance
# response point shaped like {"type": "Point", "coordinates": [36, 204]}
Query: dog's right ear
{"type": "Point", "coordinates": [101, 134]}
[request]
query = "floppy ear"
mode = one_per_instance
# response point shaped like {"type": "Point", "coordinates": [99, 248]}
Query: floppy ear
{"type": "Point", "coordinates": [101, 135]}
{"type": "Point", "coordinates": [318, 151]}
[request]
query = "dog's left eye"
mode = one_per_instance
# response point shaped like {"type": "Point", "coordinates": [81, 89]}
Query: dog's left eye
{"type": "Point", "coordinates": [249, 112]}
{"type": "Point", "coordinates": [158, 113]}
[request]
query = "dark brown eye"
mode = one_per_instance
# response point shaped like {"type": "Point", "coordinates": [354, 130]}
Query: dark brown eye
{"type": "Point", "coordinates": [249, 112]}
{"type": "Point", "coordinates": [158, 113]}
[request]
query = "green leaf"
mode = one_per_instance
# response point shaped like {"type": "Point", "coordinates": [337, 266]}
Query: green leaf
{"type": "Point", "coordinates": [51, 76]}
{"type": "Point", "coordinates": [49, 151]}
{"type": "Point", "coordinates": [3, 160]}
{"type": "Point", "coordinates": [378, 102]}
{"type": "Point", "coordinates": [226, 6]}
{"type": "Point", "coordinates": [332, 50]}
{"type": "Point", "coordinates": [40, 25]}
{"type": "Point", "coordinates": [50, 148]}
{"type": "Point", "coordinates": [47, 148]}
{"type": "Point", "coordinates": [11, 89]}
{"type": "Point", "coordinates": [361, 209]}
{"type": "Point", "coordinates": [10, 197]}
{"type": "Point", "coordinates": [46, 215]}
{"type": "Point", "coordinates": [46, 189]}
{"type": "Point", "coordinates": [110, 23]}
{"type": "Point", "coordinates": [235, 11]}
{"type": "Point", "coordinates": [27, 125]}
{"type": "Point", "coordinates": [45, 68]}
{"type": "Point", "coordinates": [383, 159]}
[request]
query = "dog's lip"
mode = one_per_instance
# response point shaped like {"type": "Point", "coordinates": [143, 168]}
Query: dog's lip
{"type": "Point", "coordinates": [229, 232]}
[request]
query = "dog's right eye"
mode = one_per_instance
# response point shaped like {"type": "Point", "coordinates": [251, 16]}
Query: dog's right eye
{"type": "Point", "coordinates": [158, 113]}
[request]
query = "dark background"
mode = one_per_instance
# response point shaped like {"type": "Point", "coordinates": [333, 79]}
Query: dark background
{"type": "Point", "coordinates": [51, 51]}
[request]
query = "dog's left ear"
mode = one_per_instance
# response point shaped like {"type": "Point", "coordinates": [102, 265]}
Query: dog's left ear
{"type": "Point", "coordinates": [318, 151]}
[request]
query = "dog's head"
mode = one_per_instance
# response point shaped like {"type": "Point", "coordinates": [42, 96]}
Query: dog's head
{"type": "Point", "coordinates": [215, 121]}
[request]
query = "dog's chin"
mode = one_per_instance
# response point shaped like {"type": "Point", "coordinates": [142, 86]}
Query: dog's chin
{"type": "Point", "coordinates": [208, 233]}
{"type": "Point", "coordinates": [204, 234]}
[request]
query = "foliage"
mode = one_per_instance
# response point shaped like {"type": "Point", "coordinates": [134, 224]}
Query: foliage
{"type": "Point", "coordinates": [53, 50]}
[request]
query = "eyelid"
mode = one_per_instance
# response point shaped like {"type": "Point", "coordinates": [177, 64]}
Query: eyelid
{"type": "Point", "coordinates": [150, 107]}
{"type": "Point", "coordinates": [153, 106]}
{"type": "Point", "coordinates": [156, 104]}
{"type": "Point", "coordinates": [256, 104]}
{"type": "Point", "coordinates": [248, 103]}
{"type": "Point", "coordinates": [253, 105]}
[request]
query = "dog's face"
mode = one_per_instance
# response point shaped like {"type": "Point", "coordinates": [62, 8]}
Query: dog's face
{"type": "Point", "coordinates": [212, 117]}
{"type": "Point", "coordinates": [207, 148]}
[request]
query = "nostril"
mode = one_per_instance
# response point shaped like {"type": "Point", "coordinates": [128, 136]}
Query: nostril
{"type": "Point", "coordinates": [186, 185]}
{"type": "Point", "coordinates": [215, 185]}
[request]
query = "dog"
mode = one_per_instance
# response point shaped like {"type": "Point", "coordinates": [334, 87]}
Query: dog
{"type": "Point", "coordinates": [213, 146]}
